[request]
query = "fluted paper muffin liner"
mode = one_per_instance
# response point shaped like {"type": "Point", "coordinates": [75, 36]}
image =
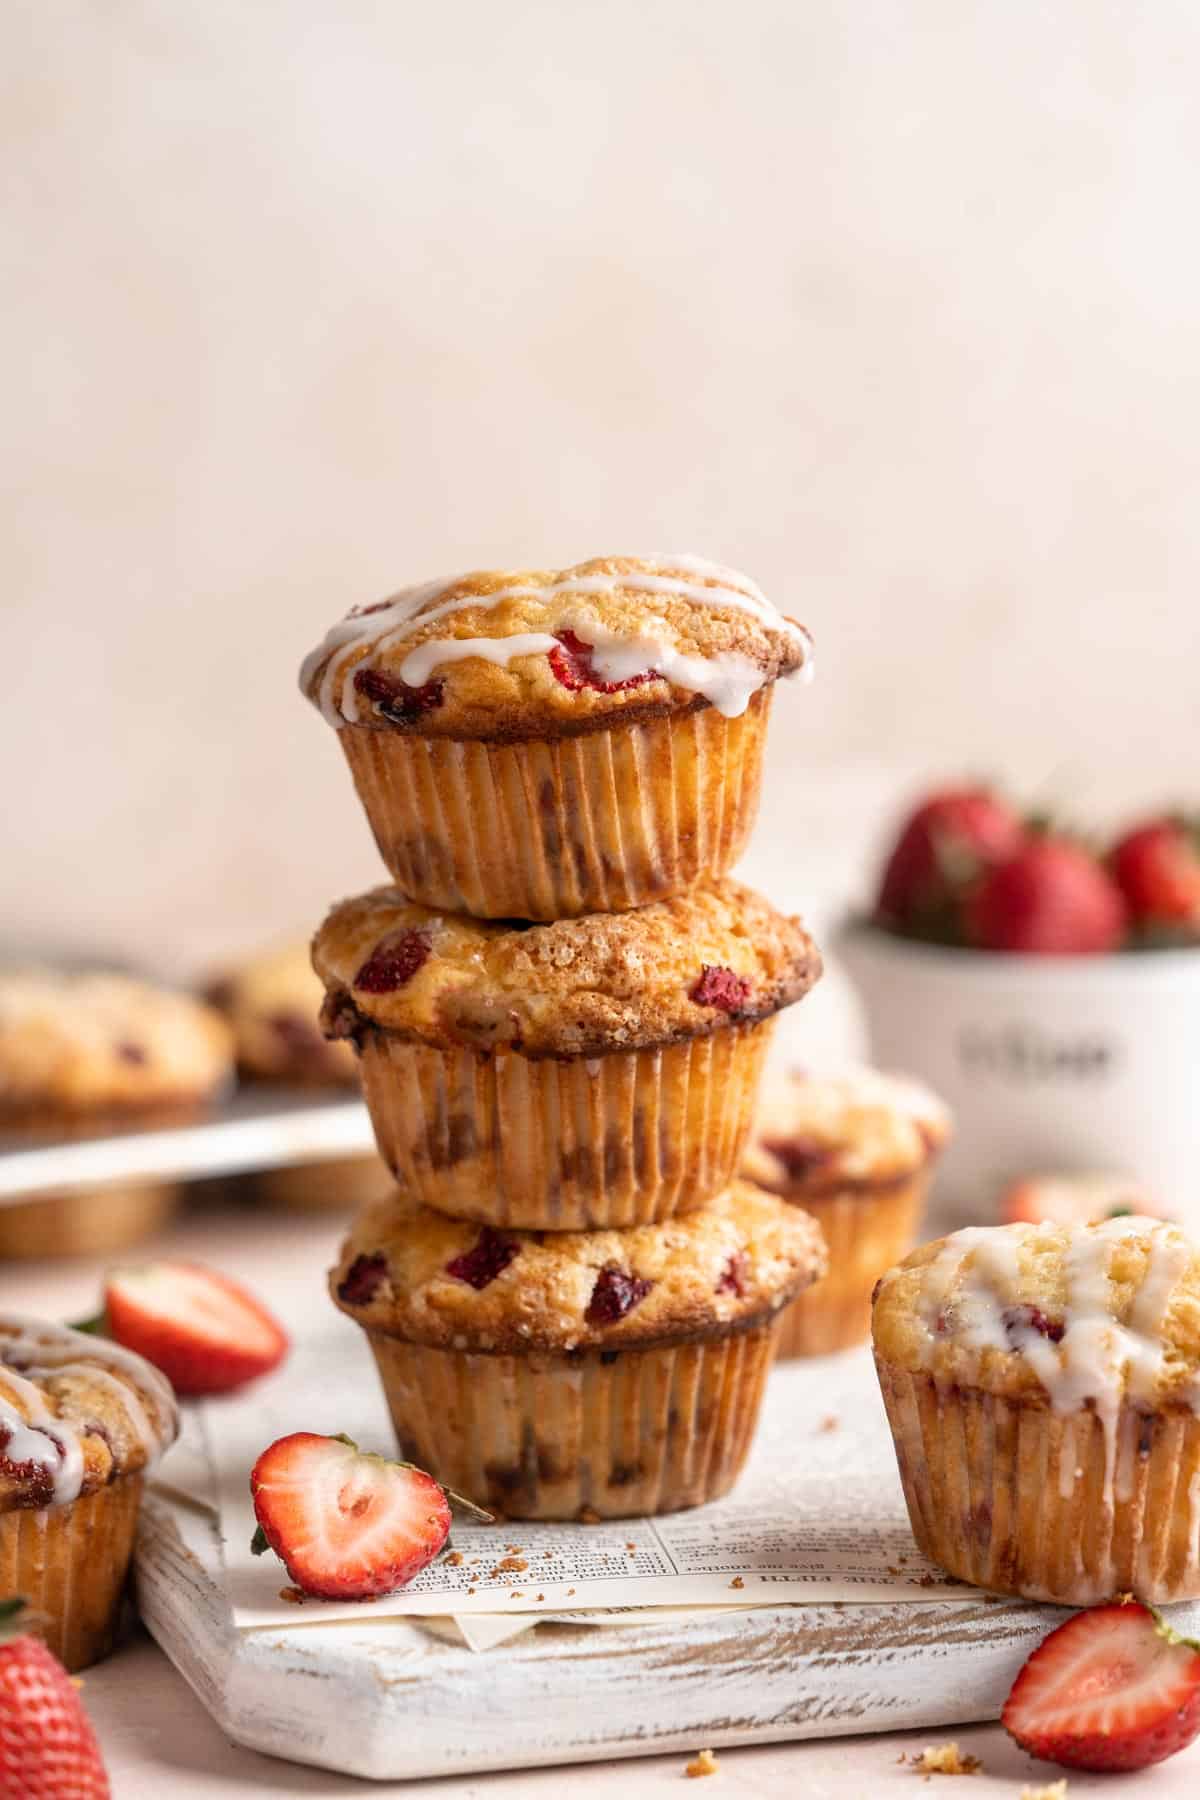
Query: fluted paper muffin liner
{"type": "Point", "coordinates": [551, 828]}
{"type": "Point", "coordinates": [87, 1221]}
{"type": "Point", "coordinates": [1012, 1496]}
{"type": "Point", "coordinates": [867, 1229]}
{"type": "Point", "coordinates": [606, 1434]}
{"type": "Point", "coordinates": [570, 1144]}
{"type": "Point", "coordinates": [69, 1563]}
{"type": "Point", "coordinates": [343, 1184]}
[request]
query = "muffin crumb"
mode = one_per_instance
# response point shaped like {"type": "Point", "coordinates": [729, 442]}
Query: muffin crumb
{"type": "Point", "coordinates": [945, 1759]}
{"type": "Point", "coordinates": [1054, 1790]}
{"type": "Point", "coordinates": [514, 1565]}
{"type": "Point", "coordinates": [737, 1582]}
{"type": "Point", "coordinates": [703, 1763]}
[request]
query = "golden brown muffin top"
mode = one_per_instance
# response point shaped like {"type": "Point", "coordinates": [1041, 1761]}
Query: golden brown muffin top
{"type": "Point", "coordinates": [273, 1002]}
{"type": "Point", "coordinates": [75, 1413]}
{"type": "Point", "coordinates": [504, 654]}
{"type": "Point", "coordinates": [1087, 1315]}
{"type": "Point", "coordinates": [822, 1134]}
{"type": "Point", "coordinates": [90, 1043]}
{"type": "Point", "coordinates": [676, 969]}
{"type": "Point", "coordinates": [414, 1274]}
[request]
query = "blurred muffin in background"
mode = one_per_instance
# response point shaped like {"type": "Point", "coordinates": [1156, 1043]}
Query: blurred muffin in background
{"type": "Point", "coordinates": [856, 1151]}
{"type": "Point", "coordinates": [87, 1052]}
{"type": "Point", "coordinates": [272, 1001]}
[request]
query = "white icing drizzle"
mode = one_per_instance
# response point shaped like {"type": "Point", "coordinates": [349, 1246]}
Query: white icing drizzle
{"type": "Point", "coordinates": [1099, 1363]}
{"type": "Point", "coordinates": [435, 653]}
{"type": "Point", "coordinates": [727, 681]}
{"type": "Point", "coordinates": [49, 1441]}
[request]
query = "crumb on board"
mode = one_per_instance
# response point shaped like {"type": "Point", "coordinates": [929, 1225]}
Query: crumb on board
{"type": "Point", "coordinates": [831, 1422]}
{"type": "Point", "coordinates": [944, 1759]}
{"type": "Point", "coordinates": [470, 1591]}
{"type": "Point", "coordinates": [514, 1549]}
{"type": "Point", "coordinates": [293, 1595]}
{"type": "Point", "coordinates": [892, 1569]}
{"type": "Point", "coordinates": [588, 1515]}
{"type": "Point", "coordinates": [631, 1548]}
{"type": "Point", "coordinates": [541, 1596]}
{"type": "Point", "coordinates": [547, 1555]}
{"type": "Point", "coordinates": [928, 1581]}
{"type": "Point", "coordinates": [510, 1565]}
{"type": "Point", "coordinates": [737, 1582]}
{"type": "Point", "coordinates": [455, 1558]}
{"type": "Point", "coordinates": [1054, 1790]}
{"type": "Point", "coordinates": [570, 1591]}
{"type": "Point", "coordinates": [703, 1763]}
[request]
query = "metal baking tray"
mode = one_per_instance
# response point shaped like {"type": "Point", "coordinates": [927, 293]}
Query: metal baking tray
{"type": "Point", "coordinates": [257, 1128]}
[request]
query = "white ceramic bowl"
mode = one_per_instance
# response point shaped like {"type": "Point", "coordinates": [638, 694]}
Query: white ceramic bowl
{"type": "Point", "coordinates": [1048, 1062]}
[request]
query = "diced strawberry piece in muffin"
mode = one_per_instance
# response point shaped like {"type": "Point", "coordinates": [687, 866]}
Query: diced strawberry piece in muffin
{"type": "Point", "coordinates": [571, 665]}
{"type": "Point", "coordinates": [615, 1294]}
{"type": "Point", "coordinates": [393, 963]}
{"type": "Point", "coordinates": [488, 1257]}
{"type": "Point", "coordinates": [393, 699]}
{"type": "Point", "coordinates": [720, 987]}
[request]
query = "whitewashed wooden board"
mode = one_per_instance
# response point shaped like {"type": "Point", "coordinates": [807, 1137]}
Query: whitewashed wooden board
{"type": "Point", "coordinates": [389, 1701]}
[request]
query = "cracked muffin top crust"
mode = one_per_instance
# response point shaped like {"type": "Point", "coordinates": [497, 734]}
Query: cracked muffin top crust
{"type": "Point", "coordinates": [682, 968]}
{"type": "Point", "coordinates": [822, 1134]}
{"type": "Point", "coordinates": [75, 1413]}
{"type": "Point", "coordinates": [83, 1044]}
{"type": "Point", "coordinates": [449, 1283]}
{"type": "Point", "coordinates": [538, 652]}
{"type": "Point", "coordinates": [273, 1002]}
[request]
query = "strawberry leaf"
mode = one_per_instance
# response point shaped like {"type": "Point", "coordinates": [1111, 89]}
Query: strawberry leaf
{"type": "Point", "coordinates": [260, 1543]}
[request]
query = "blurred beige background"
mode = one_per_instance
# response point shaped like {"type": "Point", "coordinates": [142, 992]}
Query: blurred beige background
{"type": "Point", "coordinates": [895, 305]}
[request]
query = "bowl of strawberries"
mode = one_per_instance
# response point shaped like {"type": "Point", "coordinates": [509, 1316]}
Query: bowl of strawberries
{"type": "Point", "coordinates": [1048, 987]}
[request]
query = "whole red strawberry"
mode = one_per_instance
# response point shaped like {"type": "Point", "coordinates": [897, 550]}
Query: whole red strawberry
{"type": "Point", "coordinates": [944, 846]}
{"type": "Point", "coordinates": [1051, 899]}
{"type": "Point", "coordinates": [1113, 1689]}
{"type": "Point", "coordinates": [1157, 867]}
{"type": "Point", "coordinates": [48, 1750]}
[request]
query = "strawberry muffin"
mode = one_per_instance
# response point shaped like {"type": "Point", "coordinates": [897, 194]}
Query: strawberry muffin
{"type": "Point", "coordinates": [579, 1374]}
{"type": "Point", "coordinates": [82, 1054]}
{"type": "Point", "coordinates": [81, 1423]}
{"type": "Point", "coordinates": [1042, 1385]}
{"type": "Point", "coordinates": [594, 1072]}
{"type": "Point", "coordinates": [544, 743]}
{"type": "Point", "coordinates": [856, 1150]}
{"type": "Point", "coordinates": [273, 1004]}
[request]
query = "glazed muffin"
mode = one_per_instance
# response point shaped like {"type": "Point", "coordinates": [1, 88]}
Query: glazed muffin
{"type": "Point", "coordinates": [273, 1003]}
{"type": "Point", "coordinates": [82, 1054]}
{"type": "Point", "coordinates": [541, 744]}
{"type": "Point", "coordinates": [857, 1150]}
{"type": "Point", "coordinates": [1042, 1385]}
{"type": "Point", "coordinates": [594, 1072]}
{"type": "Point", "coordinates": [81, 1423]}
{"type": "Point", "coordinates": [573, 1375]}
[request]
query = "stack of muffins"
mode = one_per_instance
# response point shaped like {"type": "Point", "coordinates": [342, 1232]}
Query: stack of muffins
{"type": "Point", "coordinates": [561, 1011]}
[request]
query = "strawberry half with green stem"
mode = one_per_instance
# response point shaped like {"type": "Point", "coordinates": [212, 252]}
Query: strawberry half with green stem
{"type": "Point", "coordinates": [1157, 868]}
{"type": "Point", "coordinates": [1113, 1689]}
{"type": "Point", "coordinates": [206, 1332]}
{"type": "Point", "coordinates": [348, 1525]}
{"type": "Point", "coordinates": [942, 849]}
{"type": "Point", "coordinates": [48, 1750]}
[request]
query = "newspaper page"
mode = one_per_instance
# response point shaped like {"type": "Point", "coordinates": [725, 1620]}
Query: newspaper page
{"type": "Point", "coordinates": [818, 1515]}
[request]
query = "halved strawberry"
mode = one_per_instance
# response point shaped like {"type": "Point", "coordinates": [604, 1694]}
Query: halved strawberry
{"type": "Point", "coordinates": [203, 1330]}
{"type": "Point", "coordinates": [348, 1525]}
{"type": "Point", "coordinates": [1113, 1689]}
{"type": "Point", "coordinates": [1075, 1198]}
